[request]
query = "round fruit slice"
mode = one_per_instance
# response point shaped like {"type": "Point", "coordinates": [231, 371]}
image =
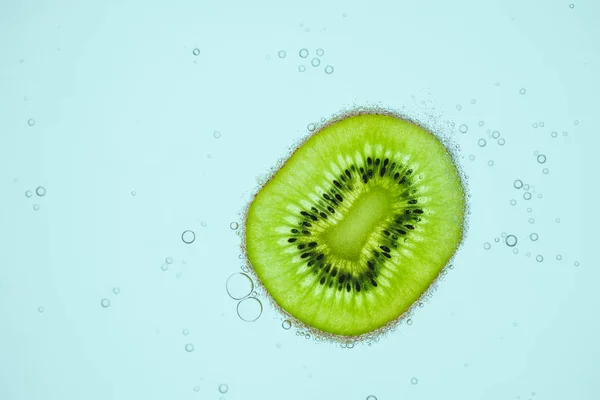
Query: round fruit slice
{"type": "Point", "coordinates": [357, 223]}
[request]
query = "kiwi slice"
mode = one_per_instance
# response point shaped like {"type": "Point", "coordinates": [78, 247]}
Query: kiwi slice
{"type": "Point", "coordinates": [357, 224]}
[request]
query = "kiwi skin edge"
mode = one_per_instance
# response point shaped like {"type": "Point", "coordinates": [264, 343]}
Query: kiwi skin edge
{"type": "Point", "coordinates": [374, 335]}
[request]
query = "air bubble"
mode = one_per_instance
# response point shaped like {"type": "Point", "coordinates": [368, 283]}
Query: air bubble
{"type": "Point", "coordinates": [307, 336]}
{"type": "Point", "coordinates": [169, 260]}
{"type": "Point", "coordinates": [234, 225]}
{"type": "Point", "coordinates": [539, 258]}
{"type": "Point", "coordinates": [133, 193]}
{"type": "Point", "coordinates": [495, 134]}
{"type": "Point", "coordinates": [473, 101]}
{"type": "Point", "coordinates": [188, 237]}
{"type": "Point", "coordinates": [239, 286]}
{"type": "Point", "coordinates": [249, 309]}
{"type": "Point", "coordinates": [463, 128]}
{"type": "Point", "coordinates": [40, 309]}
{"type": "Point", "coordinates": [189, 347]}
{"type": "Point", "coordinates": [576, 122]}
{"type": "Point", "coordinates": [311, 127]}
{"type": "Point", "coordinates": [40, 191]}
{"type": "Point", "coordinates": [513, 202]}
{"type": "Point", "coordinates": [216, 134]}
{"type": "Point", "coordinates": [203, 223]}
{"type": "Point", "coordinates": [557, 220]}
{"type": "Point", "coordinates": [409, 321]}
{"type": "Point", "coordinates": [223, 388]}
{"type": "Point", "coordinates": [576, 263]}
{"type": "Point", "coordinates": [185, 332]}
{"type": "Point", "coordinates": [531, 220]}
{"type": "Point", "coordinates": [526, 186]}
{"type": "Point", "coordinates": [487, 246]}
{"type": "Point", "coordinates": [480, 123]}
{"type": "Point", "coordinates": [320, 52]}
{"type": "Point", "coordinates": [315, 62]}
{"type": "Point", "coordinates": [371, 397]}
{"type": "Point", "coordinates": [196, 51]}
{"type": "Point", "coordinates": [414, 380]}
{"type": "Point", "coordinates": [527, 196]}
{"type": "Point", "coordinates": [565, 133]}
{"type": "Point", "coordinates": [516, 251]}
{"type": "Point", "coordinates": [535, 125]}
{"type": "Point", "coordinates": [458, 107]}
{"type": "Point", "coordinates": [472, 157]}
{"type": "Point", "coordinates": [286, 324]}
{"type": "Point", "coordinates": [554, 134]}
{"type": "Point", "coordinates": [541, 158]}
{"type": "Point", "coordinates": [558, 257]}
{"type": "Point", "coordinates": [481, 142]}
{"type": "Point", "coordinates": [545, 171]}
{"type": "Point", "coordinates": [491, 163]}
{"type": "Point", "coordinates": [302, 68]}
{"type": "Point", "coordinates": [534, 236]}
{"type": "Point", "coordinates": [281, 54]}
{"type": "Point", "coordinates": [116, 290]}
{"type": "Point", "coordinates": [541, 124]}
{"type": "Point", "coordinates": [196, 388]}
{"type": "Point", "coordinates": [522, 91]}
{"type": "Point", "coordinates": [28, 193]}
{"type": "Point", "coordinates": [36, 207]}
{"type": "Point", "coordinates": [511, 240]}
{"type": "Point", "coordinates": [303, 53]}
{"type": "Point", "coordinates": [501, 142]}
{"type": "Point", "coordinates": [105, 302]}
{"type": "Point", "coordinates": [31, 122]}
{"type": "Point", "coordinates": [571, 6]}
{"type": "Point", "coordinates": [329, 69]}
{"type": "Point", "coordinates": [528, 254]}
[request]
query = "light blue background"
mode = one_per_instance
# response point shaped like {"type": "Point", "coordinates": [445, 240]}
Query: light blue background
{"type": "Point", "coordinates": [122, 104]}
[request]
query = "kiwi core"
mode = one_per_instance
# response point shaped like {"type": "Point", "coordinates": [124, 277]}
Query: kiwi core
{"type": "Point", "coordinates": [347, 238]}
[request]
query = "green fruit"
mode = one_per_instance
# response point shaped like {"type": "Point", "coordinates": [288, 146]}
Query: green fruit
{"type": "Point", "coordinates": [357, 224]}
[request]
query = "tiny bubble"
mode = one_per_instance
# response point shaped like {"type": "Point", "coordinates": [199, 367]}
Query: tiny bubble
{"type": "Point", "coordinates": [329, 69]}
{"type": "Point", "coordinates": [189, 347]}
{"type": "Point", "coordinates": [223, 388]}
{"type": "Point", "coordinates": [527, 196]}
{"type": "Point", "coordinates": [495, 134]}
{"type": "Point", "coordinates": [414, 380]}
{"type": "Point", "coordinates": [541, 158]}
{"type": "Point", "coordinates": [496, 240]}
{"type": "Point", "coordinates": [36, 207]}
{"type": "Point", "coordinates": [576, 122]}
{"type": "Point", "coordinates": [344, 15]}
{"type": "Point", "coordinates": [473, 101]}
{"type": "Point", "coordinates": [481, 142]}
{"type": "Point", "coordinates": [303, 53]}
{"type": "Point", "coordinates": [164, 267]}
{"type": "Point", "coordinates": [196, 51]}
{"type": "Point", "coordinates": [217, 134]}
{"type": "Point", "coordinates": [545, 171]}
{"type": "Point", "coordinates": [185, 332]}
{"type": "Point", "coordinates": [234, 225]}
{"type": "Point", "coordinates": [203, 223]}
{"type": "Point", "coordinates": [286, 324]}
{"type": "Point", "coordinates": [487, 246]}
{"type": "Point", "coordinates": [522, 91]}
{"type": "Point", "coordinates": [315, 62]}
{"type": "Point", "coordinates": [116, 290]}
{"type": "Point", "coordinates": [565, 133]}
{"type": "Point", "coordinates": [541, 124]}
{"type": "Point", "coordinates": [501, 142]}
{"type": "Point", "coordinates": [463, 128]}
{"type": "Point", "coordinates": [472, 157]}
{"type": "Point", "coordinates": [511, 240]}
{"type": "Point", "coordinates": [320, 52]}
{"type": "Point", "coordinates": [169, 260]}
{"type": "Point", "coordinates": [105, 302]}
{"type": "Point", "coordinates": [514, 324]}
{"type": "Point", "coordinates": [513, 202]}
{"type": "Point", "coordinates": [535, 125]}
{"type": "Point", "coordinates": [558, 257]}
{"type": "Point", "coordinates": [281, 54]}
{"type": "Point", "coordinates": [480, 123]}
{"type": "Point", "coordinates": [557, 220]}
{"type": "Point", "coordinates": [571, 6]}
{"type": "Point", "coordinates": [196, 388]}
{"type": "Point", "coordinates": [40, 191]}
{"type": "Point", "coordinates": [41, 309]}
{"type": "Point", "coordinates": [491, 163]}
{"type": "Point", "coordinates": [133, 193]}
{"type": "Point", "coordinates": [28, 193]}
{"type": "Point", "coordinates": [458, 107]}
{"type": "Point", "coordinates": [311, 127]}
{"type": "Point", "coordinates": [302, 68]}
{"type": "Point", "coordinates": [371, 397]}
{"type": "Point", "coordinates": [576, 263]}
{"type": "Point", "coordinates": [534, 236]}
{"type": "Point", "coordinates": [531, 220]}
{"type": "Point", "coordinates": [188, 237]}
{"type": "Point", "coordinates": [554, 134]}
{"type": "Point", "coordinates": [539, 258]}
{"type": "Point", "coordinates": [31, 122]}
{"type": "Point", "coordinates": [409, 321]}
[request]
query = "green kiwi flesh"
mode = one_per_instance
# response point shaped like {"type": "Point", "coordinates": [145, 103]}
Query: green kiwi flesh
{"type": "Point", "coordinates": [357, 223]}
